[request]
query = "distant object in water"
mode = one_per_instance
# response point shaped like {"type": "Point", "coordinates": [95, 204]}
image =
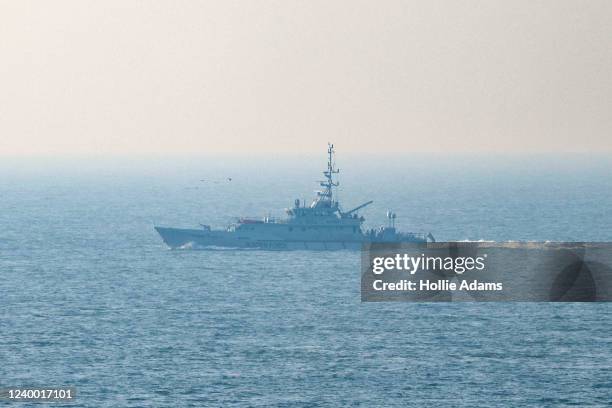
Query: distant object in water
{"type": "Point", "coordinates": [215, 181]}
{"type": "Point", "coordinates": [321, 225]}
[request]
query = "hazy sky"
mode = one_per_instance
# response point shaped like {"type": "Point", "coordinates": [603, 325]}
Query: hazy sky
{"type": "Point", "coordinates": [126, 77]}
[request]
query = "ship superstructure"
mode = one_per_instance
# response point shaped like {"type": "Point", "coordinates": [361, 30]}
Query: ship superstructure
{"type": "Point", "coordinates": [320, 225]}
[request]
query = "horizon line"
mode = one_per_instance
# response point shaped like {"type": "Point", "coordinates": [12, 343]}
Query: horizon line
{"type": "Point", "coordinates": [281, 155]}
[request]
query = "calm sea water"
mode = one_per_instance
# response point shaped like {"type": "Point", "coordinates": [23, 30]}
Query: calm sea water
{"type": "Point", "coordinates": [92, 298]}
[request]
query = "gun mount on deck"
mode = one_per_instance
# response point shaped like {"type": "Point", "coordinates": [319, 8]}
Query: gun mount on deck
{"type": "Point", "coordinates": [348, 213]}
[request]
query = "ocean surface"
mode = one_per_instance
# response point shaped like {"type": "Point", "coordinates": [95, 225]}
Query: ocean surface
{"type": "Point", "coordinates": [91, 298]}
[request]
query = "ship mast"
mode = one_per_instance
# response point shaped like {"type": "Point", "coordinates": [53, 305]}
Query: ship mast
{"type": "Point", "coordinates": [328, 185]}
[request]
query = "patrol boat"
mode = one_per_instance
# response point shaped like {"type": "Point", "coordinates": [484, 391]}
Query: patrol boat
{"type": "Point", "coordinates": [322, 225]}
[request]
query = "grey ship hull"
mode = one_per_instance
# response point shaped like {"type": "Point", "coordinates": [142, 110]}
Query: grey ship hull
{"type": "Point", "coordinates": [205, 239]}
{"type": "Point", "coordinates": [202, 239]}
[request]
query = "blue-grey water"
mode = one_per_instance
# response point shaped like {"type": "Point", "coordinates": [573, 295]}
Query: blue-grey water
{"type": "Point", "coordinates": [90, 297]}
